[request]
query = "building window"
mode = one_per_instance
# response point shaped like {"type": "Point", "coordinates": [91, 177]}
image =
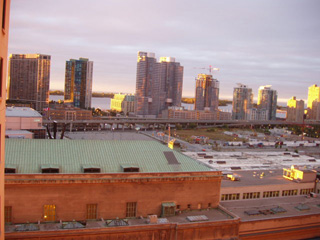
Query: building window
{"type": "Point", "coordinates": [8, 214]}
{"type": "Point", "coordinates": [306, 191]}
{"type": "Point", "coordinates": [131, 209]}
{"type": "Point", "coordinates": [49, 213]}
{"type": "Point", "coordinates": [232, 196]}
{"type": "Point", "coordinates": [289, 192]}
{"type": "Point", "coordinates": [269, 194]}
{"type": "Point", "coordinates": [209, 205]}
{"type": "Point", "coordinates": [92, 211]}
{"type": "Point", "coordinates": [251, 195]}
{"type": "Point", "coordinates": [4, 14]}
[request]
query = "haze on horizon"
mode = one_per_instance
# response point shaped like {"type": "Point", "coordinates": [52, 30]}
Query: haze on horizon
{"type": "Point", "coordinates": [254, 42]}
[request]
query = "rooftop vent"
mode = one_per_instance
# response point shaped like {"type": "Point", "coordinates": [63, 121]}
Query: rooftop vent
{"type": "Point", "coordinates": [221, 162]}
{"type": "Point", "coordinates": [252, 212]}
{"type": "Point", "coordinates": [72, 225]}
{"type": "Point", "coordinates": [117, 222]}
{"type": "Point", "coordinates": [27, 227]}
{"type": "Point", "coordinates": [198, 218]}
{"type": "Point", "coordinates": [91, 169]}
{"type": "Point", "coordinates": [130, 168]}
{"type": "Point", "coordinates": [235, 168]}
{"type": "Point", "coordinates": [168, 209]}
{"type": "Point", "coordinates": [278, 210]}
{"type": "Point", "coordinates": [302, 207]}
{"type": "Point", "coordinates": [48, 168]}
{"type": "Point", "coordinates": [10, 169]}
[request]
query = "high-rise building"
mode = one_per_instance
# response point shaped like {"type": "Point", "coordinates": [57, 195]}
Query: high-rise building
{"type": "Point", "coordinates": [4, 33]}
{"type": "Point", "coordinates": [123, 103]}
{"type": "Point", "coordinates": [158, 84]}
{"type": "Point", "coordinates": [295, 110]}
{"type": "Point", "coordinates": [207, 93]}
{"type": "Point", "coordinates": [171, 78]}
{"type": "Point", "coordinates": [29, 78]}
{"type": "Point", "coordinates": [242, 101]}
{"type": "Point", "coordinates": [267, 99]}
{"type": "Point", "coordinates": [78, 82]}
{"type": "Point", "coordinates": [313, 102]}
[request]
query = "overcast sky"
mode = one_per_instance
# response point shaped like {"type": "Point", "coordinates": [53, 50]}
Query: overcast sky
{"type": "Point", "coordinates": [254, 42]}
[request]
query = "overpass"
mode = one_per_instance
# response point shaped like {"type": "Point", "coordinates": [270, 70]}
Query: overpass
{"type": "Point", "coordinates": [112, 123]}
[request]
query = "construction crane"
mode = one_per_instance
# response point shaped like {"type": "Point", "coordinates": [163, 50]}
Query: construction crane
{"type": "Point", "coordinates": [210, 68]}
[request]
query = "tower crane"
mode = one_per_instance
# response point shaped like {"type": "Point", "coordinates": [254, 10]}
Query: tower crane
{"type": "Point", "coordinates": [210, 68]}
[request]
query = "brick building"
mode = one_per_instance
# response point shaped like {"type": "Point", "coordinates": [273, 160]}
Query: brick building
{"type": "Point", "coordinates": [83, 189]}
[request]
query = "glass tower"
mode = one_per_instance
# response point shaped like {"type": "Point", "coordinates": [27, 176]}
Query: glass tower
{"type": "Point", "coordinates": [78, 82]}
{"type": "Point", "coordinates": [242, 101]}
{"type": "Point", "coordinates": [267, 99]}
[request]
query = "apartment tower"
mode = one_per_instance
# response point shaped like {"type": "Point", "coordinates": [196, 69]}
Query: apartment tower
{"type": "Point", "coordinates": [78, 82]}
{"type": "Point", "coordinates": [158, 84]}
{"type": "Point", "coordinates": [207, 93]}
{"type": "Point", "coordinates": [313, 102]}
{"type": "Point", "coordinates": [4, 10]}
{"type": "Point", "coordinates": [267, 100]}
{"type": "Point", "coordinates": [171, 77]}
{"type": "Point", "coordinates": [29, 79]}
{"type": "Point", "coordinates": [242, 101]}
{"type": "Point", "coordinates": [295, 110]}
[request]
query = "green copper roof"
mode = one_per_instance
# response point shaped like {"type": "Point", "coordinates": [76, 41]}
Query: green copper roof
{"type": "Point", "coordinates": [30, 155]}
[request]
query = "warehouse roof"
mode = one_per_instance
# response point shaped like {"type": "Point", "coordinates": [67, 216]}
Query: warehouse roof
{"type": "Point", "coordinates": [22, 112]}
{"type": "Point", "coordinates": [73, 156]}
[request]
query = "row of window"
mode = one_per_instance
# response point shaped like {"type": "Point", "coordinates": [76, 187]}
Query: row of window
{"type": "Point", "coordinates": [49, 212]}
{"type": "Point", "coordinates": [266, 194]}
{"type": "Point", "coordinates": [85, 170]}
{"type": "Point", "coordinates": [232, 196]}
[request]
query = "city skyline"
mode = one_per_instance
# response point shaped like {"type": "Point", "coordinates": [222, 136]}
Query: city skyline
{"type": "Point", "coordinates": [273, 43]}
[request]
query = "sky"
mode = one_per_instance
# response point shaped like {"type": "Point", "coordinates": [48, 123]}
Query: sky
{"type": "Point", "coordinates": [253, 42]}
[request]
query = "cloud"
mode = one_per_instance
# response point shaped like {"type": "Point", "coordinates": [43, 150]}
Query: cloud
{"type": "Point", "coordinates": [254, 42]}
